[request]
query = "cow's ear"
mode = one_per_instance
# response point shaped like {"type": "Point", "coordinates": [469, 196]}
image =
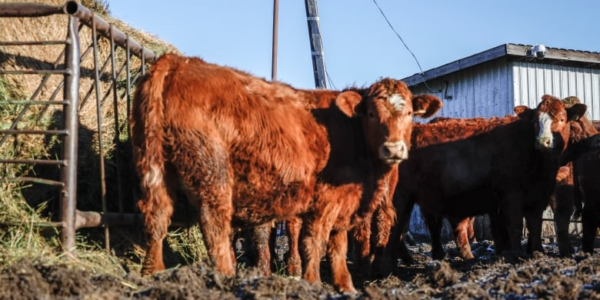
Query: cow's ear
{"type": "Point", "coordinates": [576, 111]}
{"type": "Point", "coordinates": [524, 112]}
{"type": "Point", "coordinates": [563, 173]}
{"type": "Point", "coordinates": [426, 105]}
{"type": "Point", "coordinates": [348, 102]}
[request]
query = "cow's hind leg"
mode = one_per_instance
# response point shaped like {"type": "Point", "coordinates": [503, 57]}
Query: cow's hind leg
{"type": "Point", "coordinates": [563, 197]}
{"type": "Point", "coordinates": [499, 233]}
{"type": "Point", "coordinates": [471, 230]}
{"type": "Point", "coordinates": [157, 206]}
{"type": "Point", "coordinates": [462, 236]}
{"type": "Point", "coordinates": [512, 218]}
{"type": "Point", "coordinates": [203, 165]}
{"type": "Point", "coordinates": [590, 223]}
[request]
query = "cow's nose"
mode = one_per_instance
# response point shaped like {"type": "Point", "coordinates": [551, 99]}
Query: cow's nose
{"type": "Point", "coordinates": [394, 151]}
{"type": "Point", "coordinates": [545, 143]}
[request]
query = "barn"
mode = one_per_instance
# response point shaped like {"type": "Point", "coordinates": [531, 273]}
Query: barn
{"type": "Point", "coordinates": [491, 83]}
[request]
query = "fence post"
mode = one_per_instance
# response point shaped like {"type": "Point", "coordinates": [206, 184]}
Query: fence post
{"type": "Point", "coordinates": [69, 172]}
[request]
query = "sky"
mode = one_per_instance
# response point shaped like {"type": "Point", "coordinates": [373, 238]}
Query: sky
{"type": "Point", "coordinates": [359, 45]}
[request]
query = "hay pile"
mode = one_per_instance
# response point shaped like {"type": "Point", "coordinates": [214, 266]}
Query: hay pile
{"type": "Point", "coordinates": [24, 205]}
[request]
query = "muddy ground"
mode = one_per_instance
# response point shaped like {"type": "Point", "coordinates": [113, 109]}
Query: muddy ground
{"type": "Point", "coordinates": [489, 277]}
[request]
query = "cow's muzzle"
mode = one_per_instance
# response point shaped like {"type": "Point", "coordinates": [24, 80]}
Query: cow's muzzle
{"type": "Point", "coordinates": [393, 152]}
{"type": "Point", "coordinates": [544, 143]}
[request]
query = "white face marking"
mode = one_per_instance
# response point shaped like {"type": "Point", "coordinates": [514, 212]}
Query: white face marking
{"type": "Point", "coordinates": [545, 123]}
{"type": "Point", "coordinates": [397, 101]}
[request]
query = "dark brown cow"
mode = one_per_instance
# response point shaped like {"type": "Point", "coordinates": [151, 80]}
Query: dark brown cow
{"type": "Point", "coordinates": [588, 174]}
{"type": "Point", "coordinates": [437, 131]}
{"type": "Point", "coordinates": [507, 171]}
{"type": "Point", "coordinates": [567, 199]}
{"type": "Point", "coordinates": [579, 183]}
{"type": "Point", "coordinates": [247, 152]}
{"type": "Point", "coordinates": [583, 136]}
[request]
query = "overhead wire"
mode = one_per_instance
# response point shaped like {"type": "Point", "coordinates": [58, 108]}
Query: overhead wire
{"type": "Point", "coordinates": [328, 78]}
{"type": "Point", "coordinates": [405, 45]}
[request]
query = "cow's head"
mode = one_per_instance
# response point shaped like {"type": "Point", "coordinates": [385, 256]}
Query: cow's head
{"type": "Point", "coordinates": [583, 131]}
{"type": "Point", "coordinates": [386, 110]}
{"type": "Point", "coordinates": [551, 119]}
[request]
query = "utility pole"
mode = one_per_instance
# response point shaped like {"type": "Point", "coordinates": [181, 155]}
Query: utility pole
{"type": "Point", "coordinates": [281, 235]}
{"type": "Point", "coordinates": [274, 49]}
{"type": "Point", "coordinates": [316, 45]}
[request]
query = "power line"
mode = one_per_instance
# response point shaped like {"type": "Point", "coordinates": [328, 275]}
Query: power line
{"type": "Point", "coordinates": [329, 80]}
{"type": "Point", "coordinates": [399, 37]}
{"type": "Point", "coordinates": [325, 66]}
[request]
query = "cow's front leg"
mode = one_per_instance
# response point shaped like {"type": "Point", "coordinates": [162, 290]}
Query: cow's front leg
{"type": "Point", "coordinates": [337, 249]}
{"type": "Point", "coordinates": [294, 262]}
{"type": "Point", "coordinates": [534, 221]}
{"type": "Point", "coordinates": [434, 224]}
{"type": "Point", "coordinates": [312, 250]}
{"type": "Point", "coordinates": [260, 236]}
{"type": "Point", "coordinates": [362, 242]}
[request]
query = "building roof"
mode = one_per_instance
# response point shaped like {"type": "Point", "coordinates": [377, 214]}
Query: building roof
{"type": "Point", "coordinates": [513, 52]}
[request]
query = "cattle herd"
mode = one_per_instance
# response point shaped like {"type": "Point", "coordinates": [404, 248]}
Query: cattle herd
{"type": "Point", "coordinates": [349, 165]}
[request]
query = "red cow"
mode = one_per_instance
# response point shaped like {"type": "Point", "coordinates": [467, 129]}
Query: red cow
{"type": "Point", "coordinates": [247, 152]}
{"type": "Point", "coordinates": [507, 171]}
{"type": "Point", "coordinates": [350, 188]}
{"type": "Point", "coordinates": [355, 182]}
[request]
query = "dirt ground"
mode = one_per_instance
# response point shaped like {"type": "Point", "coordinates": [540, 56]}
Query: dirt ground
{"type": "Point", "coordinates": [488, 277]}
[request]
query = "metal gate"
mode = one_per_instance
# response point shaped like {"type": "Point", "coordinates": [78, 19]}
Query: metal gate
{"type": "Point", "coordinates": [105, 68]}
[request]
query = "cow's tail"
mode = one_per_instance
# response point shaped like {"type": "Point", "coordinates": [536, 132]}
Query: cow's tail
{"type": "Point", "coordinates": [147, 123]}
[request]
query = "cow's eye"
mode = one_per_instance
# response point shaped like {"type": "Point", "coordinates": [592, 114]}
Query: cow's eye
{"type": "Point", "coordinates": [371, 114]}
{"type": "Point", "coordinates": [409, 113]}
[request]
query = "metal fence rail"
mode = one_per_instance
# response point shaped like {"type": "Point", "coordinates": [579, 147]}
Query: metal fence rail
{"type": "Point", "coordinates": [77, 17]}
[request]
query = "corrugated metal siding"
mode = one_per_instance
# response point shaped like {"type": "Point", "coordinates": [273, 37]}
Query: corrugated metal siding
{"type": "Point", "coordinates": [533, 80]}
{"type": "Point", "coordinates": [481, 91]}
